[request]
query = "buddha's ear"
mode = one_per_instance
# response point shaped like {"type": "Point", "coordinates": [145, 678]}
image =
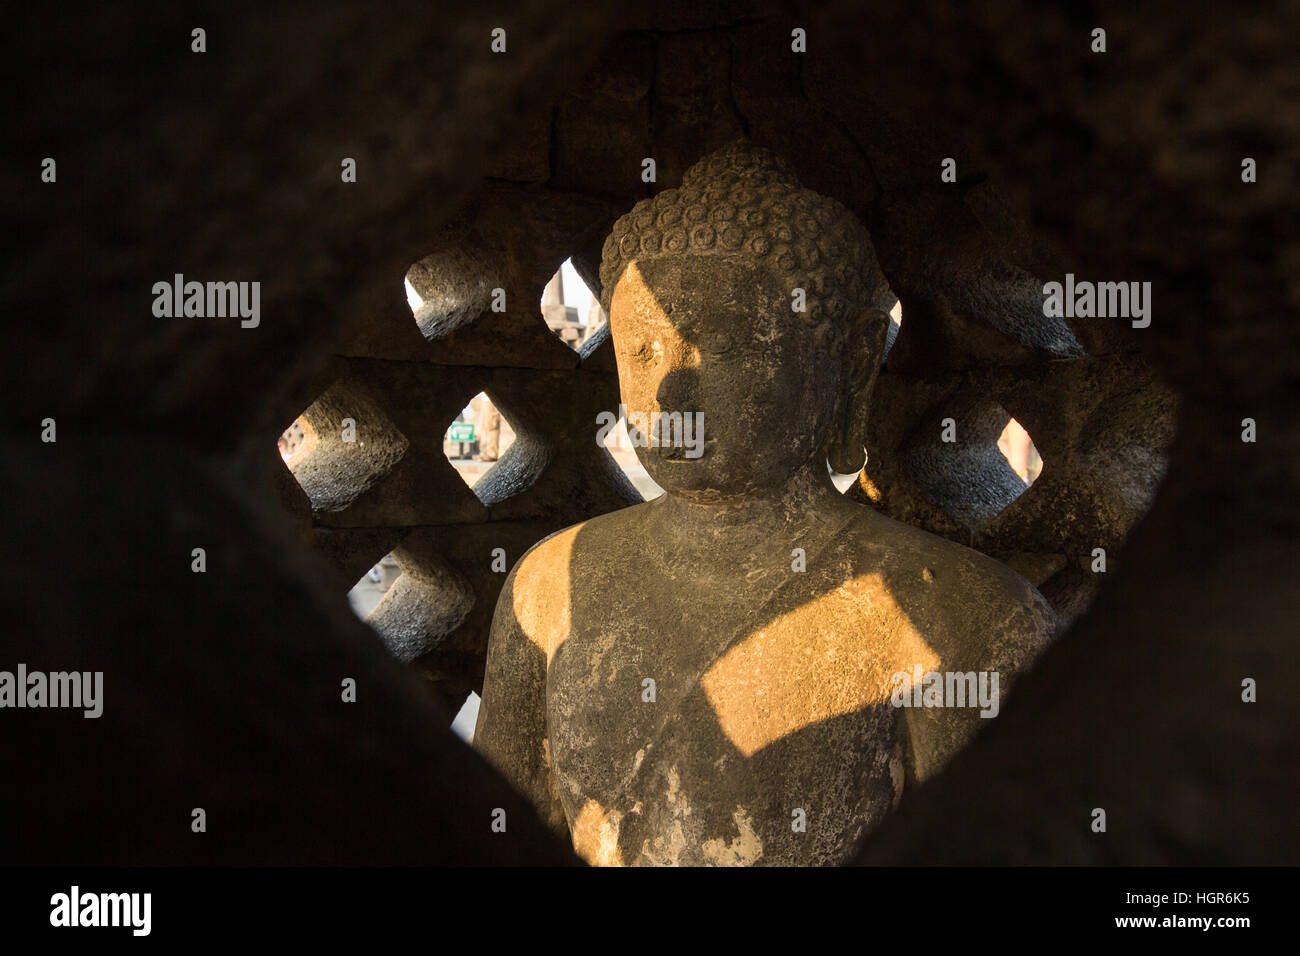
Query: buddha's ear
{"type": "Point", "coordinates": [864, 346]}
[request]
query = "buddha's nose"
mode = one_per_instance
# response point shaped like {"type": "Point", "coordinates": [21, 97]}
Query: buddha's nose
{"type": "Point", "coordinates": [678, 390]}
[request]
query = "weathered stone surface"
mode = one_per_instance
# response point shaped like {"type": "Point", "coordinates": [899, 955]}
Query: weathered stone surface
{"type": "Point", "coordinates": [759, 667]}
{"type": "Point", "coordinates": [426, 603]}
{"type": "Point", "coordinates": [455, 665]}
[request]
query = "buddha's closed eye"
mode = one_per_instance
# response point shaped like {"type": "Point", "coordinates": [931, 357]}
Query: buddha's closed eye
{"type": "Point", "coordinates": [648, 350]}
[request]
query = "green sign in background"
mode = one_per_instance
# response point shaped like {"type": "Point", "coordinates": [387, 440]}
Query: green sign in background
{"type": "Point", "coordinates": [461, 431]}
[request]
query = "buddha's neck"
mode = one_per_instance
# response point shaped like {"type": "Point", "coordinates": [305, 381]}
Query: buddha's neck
{"type": "Point", "coordinates": [808, 497]}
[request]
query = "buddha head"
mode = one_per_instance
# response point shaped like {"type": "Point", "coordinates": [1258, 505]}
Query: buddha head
{"type": "Point", "coordinates": [746, 301]}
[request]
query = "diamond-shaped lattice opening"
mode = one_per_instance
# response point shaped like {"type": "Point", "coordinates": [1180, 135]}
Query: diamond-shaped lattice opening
{"type": "Point", "coordinates": [340, 446]}
{"type": "Point", "coordinates": [570, 309]}
{"type": "Point", "coordinates": [373, 585]}
{"type": "Point", "coordinates": [844, 482]}
{"type": "Point", "coordinates": [449, 289]}
{"type": "Point", "coordinates": [297, 442]}
{"type": "Point", "coordinates": [466, 718]}
{"type": "Point", "coordinates": [528, 455]}
{"type": "Point", "coordinates": [427, 602]}
{"type": "Point", "coordinates": [1019, 451]}
{"type": "Point", "coordinates": [478, 438]}
{"type": "Point", "coordinates": [895, 325]}
{"type": "Point", "coordinates": [957, 457]}
{"type": "Point", "coordinates": [413, 600]}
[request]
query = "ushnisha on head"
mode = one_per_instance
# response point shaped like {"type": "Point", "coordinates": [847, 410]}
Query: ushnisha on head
{"type": "Point", "coordinates": [743, 201]}
{"type": "Point", "coordinates": [703, 283]}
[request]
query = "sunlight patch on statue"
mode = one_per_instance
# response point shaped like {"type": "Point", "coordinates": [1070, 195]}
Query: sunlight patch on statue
{"type": "Point", "coordinates": [544, 576]}
{"type": "Point", "coordinates": [785, 677]}
{"type": "Point", "coordinates": [595, 835]}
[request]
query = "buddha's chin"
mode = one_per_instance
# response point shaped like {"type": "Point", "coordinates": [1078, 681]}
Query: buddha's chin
{"type": "Point", "coordinates": [681, 465]}
{"type": "Point", "coordinates": [688, 477]}
{"type": "Point", "coordinates": [698, 480]}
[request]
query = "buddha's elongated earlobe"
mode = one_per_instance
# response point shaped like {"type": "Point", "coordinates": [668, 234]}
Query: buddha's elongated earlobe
{"type": "Point", "coordinates": [864, 345]}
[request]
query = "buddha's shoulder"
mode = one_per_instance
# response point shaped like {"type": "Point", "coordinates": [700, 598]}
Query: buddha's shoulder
{"type": "Point", "coordinates": [935, 576]}
{"type": "Point", "coordinates": [557, 556]}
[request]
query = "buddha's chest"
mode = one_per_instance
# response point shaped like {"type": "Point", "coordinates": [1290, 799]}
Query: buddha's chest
{"type": "Point", "coordinates": [739, 732]}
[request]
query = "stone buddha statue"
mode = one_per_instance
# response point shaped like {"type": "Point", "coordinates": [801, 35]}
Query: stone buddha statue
{"type": "Point", "coordinates": [751, 668]}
